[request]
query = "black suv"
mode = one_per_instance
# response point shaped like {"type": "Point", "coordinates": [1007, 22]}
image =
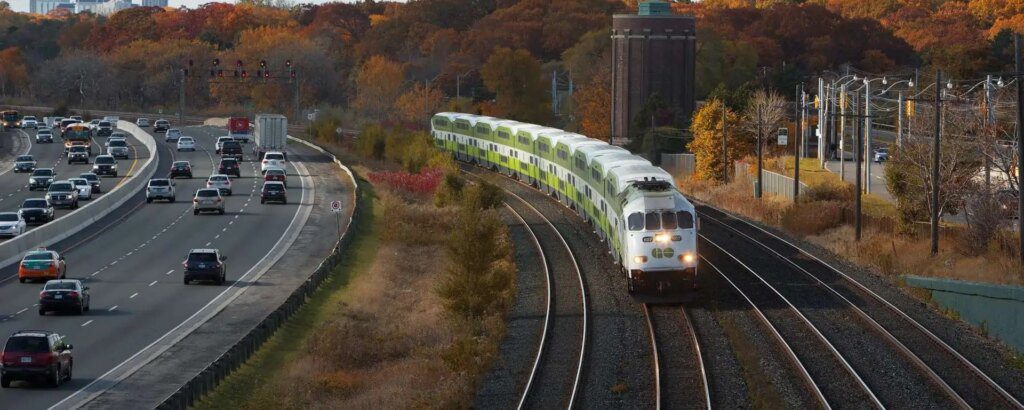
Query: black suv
{"type": "Point", "coordinates": [229, 166]}
{"type": "Point", "coordinates": [161, 126]}
{"type": "Point", "coordinates": [104, 129]}
{"type": "Point", "coordinates": [36, 354]}
{"type": "Point", "coordinates": [231, 149]}
{"type": "Point", "coordinates": [205, 264]}
{"type": "Point", "coordinates": [181, 169]}
{"type": "Point", "coordinates": [36, 211]}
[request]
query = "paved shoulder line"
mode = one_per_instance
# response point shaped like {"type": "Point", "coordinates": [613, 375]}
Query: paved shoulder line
{"type": "Point", "coordinates": [204, 314]}
{"type": "Point", "coordinates": [11, 251]}
{"type": "Point", "coordinates": [15, 153]}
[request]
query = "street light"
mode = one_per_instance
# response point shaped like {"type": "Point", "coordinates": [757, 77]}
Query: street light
{"type": "Point", "coordinates": [867, 125]}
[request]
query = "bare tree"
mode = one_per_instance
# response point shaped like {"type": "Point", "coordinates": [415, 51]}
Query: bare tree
{"type": "Point", "coordinates": [764, 112]}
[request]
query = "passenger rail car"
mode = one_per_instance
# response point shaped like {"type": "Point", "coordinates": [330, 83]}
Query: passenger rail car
{"type": "Point", "coordinates": [650, 228]}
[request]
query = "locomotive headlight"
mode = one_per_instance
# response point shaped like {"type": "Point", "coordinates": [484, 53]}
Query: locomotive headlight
{"type": "Point", "coordinates": [687, 257]}
{"type": "Point", "coordinates": [661, 237]}
{"type": "Point", "coordinates": [639, 259]}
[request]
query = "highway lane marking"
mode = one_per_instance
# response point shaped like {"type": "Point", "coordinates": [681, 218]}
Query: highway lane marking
{"type": "Point", "coordinates": [95, 273]}
{"type": "Point", "coordinates": [232, 222]}
{"type": "Point", "coordinates": [236, 216]}
{"type": "Point", "coordinates": [169, 272]}
{"type": "Point", "coordinates": [133, 295]}
{"type": "Point", "coordinates": [130, 253]}
{"type": "Point", "coordinates": [21, 311]}
{"type": "Point", "coordinates": [115, 262]}
{"type": "Point", "coordinates": [87, 323]}
{"type": "Point", "coordinates": [154, 283]}
{"type": "Point", "coordinates": [208, 244]}
{"type": "Point", "coordinates": [217, 237]}
{"type": "Point", "coordinates": [224, 230]}
{"type": "Point", "coordinates": [112, 309]}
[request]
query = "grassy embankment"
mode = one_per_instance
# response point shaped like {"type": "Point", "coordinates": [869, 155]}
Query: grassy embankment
{"type": "Point", "coordinates": [824, 217]}
{"type": "Point", "coordinates": [414, 315]}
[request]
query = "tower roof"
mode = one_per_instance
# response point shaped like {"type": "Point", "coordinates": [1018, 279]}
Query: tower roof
{"type": "Point", "coordinates": [654, 8]}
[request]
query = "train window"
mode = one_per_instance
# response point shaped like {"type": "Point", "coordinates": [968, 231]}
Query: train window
{"type": "Point", "coordinates": [668, 220]}
{"type": "Point", "coordinates": [635, 221]}
{"type": "Point", "coordinates": [503, 135]}
{"type": "Point", "coordinates": [595, 175]}
{"type": "Point", "coordinates": [542, 147]}
{"type": "Point", "coordinates": [685, 219]}
{"type": "Point", "coordinates": [503, 158]}
{"type": "Point", "coordinates": [581, 165]}
{"type": "Point", "coordinates": [483, 129]}
{"type": "Point", "coordinates": [652, 221]}
{"type": "Point", "coordinates": [524, 140]}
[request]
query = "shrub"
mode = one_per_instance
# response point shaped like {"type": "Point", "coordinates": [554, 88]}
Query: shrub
{"type": "Point", "coordinates": [422, 183]}
{"type": "Point", "coordinates": [371, 142]}
{"type": "Point", "coordinates": [831, 190]}
{"type": "Point", "coordinates": [812, 218]}
{"type": "Point", "coordinates": [450, 191]}
{"type": "Point", "coordinates": [482, 196]}
{"type": "Point", "coordinates": [984, 218]}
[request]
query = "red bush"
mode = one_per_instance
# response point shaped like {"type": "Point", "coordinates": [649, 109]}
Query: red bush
{"type": "Point", "coordinates": [423, 183]}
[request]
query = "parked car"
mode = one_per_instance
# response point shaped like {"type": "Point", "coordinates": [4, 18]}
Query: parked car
{"type": "Point", "coordinates": [205, 264]}
{"type": "Point", "coordinates": [36, 210]}
{"type": "Point", "coordinates": [881, 155]}
{"type": "Point", "coordinates": [83, 187]}
{"type": "Point", "coordinates": [142, 122]}
{"type": "Point", "coordinates": [160, 188]}
{"type": "Point", "coordinates": [94, 181]}
{"type": "Point", "coordinates": [207, 200]}
{"type": "Point", "coordinates": [41, 264]}
{"type": "Point", "coordinates": [12, 224]}
{"type": "Point", "coordinates": [24, 163]}
{"type": "Point", "coordinates": [34, 355]}
{"type": "Point", "coordinates": [181, 169]}
{"type": "Point", "coordinates": [64, 295]}
{"type": "Point", "coordinates": [274, 191]}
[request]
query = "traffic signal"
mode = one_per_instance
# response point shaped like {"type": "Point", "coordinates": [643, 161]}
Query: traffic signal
{"type": "Point", "coordinates": [216, 62]}
{"type": "Point", "coordinates": [817, 103]}
{"type": "Point", "coordinates": [291, 73]}
{"type": "Point", "coordinates": [220, 73]}
{"type": "Point", "coordinates": [288, 63]}
{"type": "Point", "coordinates": [910, 108]}
{"type": "Point", "coordinates": [238, 63]}
{"type": "Point", "coordinates": [266, 74]}
{"type": "Point", "coordinates": [244, 75]}
{"type": "Point", "coordinates": [263, 63]}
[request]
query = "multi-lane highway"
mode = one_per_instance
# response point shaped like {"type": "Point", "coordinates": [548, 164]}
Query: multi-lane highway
{"type": "Point", "coordinates": [132, 262]}
{"type": "Point", "coordinates": [14, 186]}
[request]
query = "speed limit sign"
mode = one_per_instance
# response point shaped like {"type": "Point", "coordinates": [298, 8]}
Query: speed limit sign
{"type": "Point", "coordinates": [335, 206]}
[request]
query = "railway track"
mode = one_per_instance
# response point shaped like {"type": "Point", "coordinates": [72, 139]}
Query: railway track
{"type": "Point", "coordinates": [680, 379]}
{"type": "Point", "coordinates": [554, 379]}
{"type": "Point", "coordinates": [962, 382]}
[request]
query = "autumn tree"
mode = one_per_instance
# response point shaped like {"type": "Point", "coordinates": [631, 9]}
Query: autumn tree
{"type": "Point", "coordinates": [593, 106]}
{"type": "Point", "coordinates": [14, 78]}
{"type": "Point", "coordinates": [418, 104]}
{"type": "Point", "coordinates": [515, 76]}
{"type": "Point", "coordinates": [707, 140]}
{"type": "Point", "coordinates": [379, 83]}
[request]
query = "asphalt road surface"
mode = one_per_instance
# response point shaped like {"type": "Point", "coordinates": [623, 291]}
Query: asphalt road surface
{"type": "Point", "coordinates": [132, 261]}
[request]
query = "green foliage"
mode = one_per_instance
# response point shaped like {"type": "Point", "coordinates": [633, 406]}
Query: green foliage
{"type": "Point", "coordinates": [910, 205]}
{"type": "Point", "coordinates": [450, 191]}
{"type": "Point", "coordinates": [516, 77]}
{"type": "Point", "coordinates": [483, 196]}
{"type": "Point", "coordinates": [372, 142]}
{"type": "Point", "coordinates": [479, 281]}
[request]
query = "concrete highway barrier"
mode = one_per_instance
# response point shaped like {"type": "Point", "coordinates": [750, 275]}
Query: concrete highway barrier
{"type": "Point", "coordinates": [13, 250]}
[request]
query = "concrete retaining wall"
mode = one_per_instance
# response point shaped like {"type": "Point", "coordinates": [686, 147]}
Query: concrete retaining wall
{"type": "Point", "coordinates": [998, 309]}
{"type": "Point", "coordinates": [13, 250]}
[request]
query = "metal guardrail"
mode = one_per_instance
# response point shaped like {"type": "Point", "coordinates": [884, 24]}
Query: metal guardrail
{"type": "Point", "coordinates": [249, 344]}
{"type": "Point", "coordinates": [12, 250]}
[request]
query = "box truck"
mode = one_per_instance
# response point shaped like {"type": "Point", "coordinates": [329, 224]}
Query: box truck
{"type": "Point", "coordinates": [238, 128]}
{"type": "Point", "coordinates": [270, 134]}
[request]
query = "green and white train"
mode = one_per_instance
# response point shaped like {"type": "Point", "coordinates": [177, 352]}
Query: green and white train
{"type": "Point", "coordinates": [650, 228]}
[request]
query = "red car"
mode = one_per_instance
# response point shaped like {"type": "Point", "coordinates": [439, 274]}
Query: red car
{"type": "Point", "coordinates": [275, 174]}
{"type": "Point", "coordinates": [36, 355]}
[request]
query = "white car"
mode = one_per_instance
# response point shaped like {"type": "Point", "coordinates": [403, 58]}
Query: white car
{"type": "Point", "coordinates": [221, 182]}
{"type": "Point", "coordinates": [172, 135]}
{"type": "Point", "coordinates": [11, 224]}
{"type": "Point", "coordinates": [83, 187]}
{"type": "Point", "coordinates": [272, 159]}
{"type": "Point", "coordinates": [220, 142]}
{"type": "Point", "coordinates": [44, 136]}
{"type": "Point", "coordinates": [29, 122]}
{"type": "Point", "coordinates": [142, 122]}
{"type": "Point", "coordinates": [186, 144]}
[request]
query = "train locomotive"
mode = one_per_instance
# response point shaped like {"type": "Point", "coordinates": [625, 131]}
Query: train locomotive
{"type": "Point", "coordinates": [635, 208]}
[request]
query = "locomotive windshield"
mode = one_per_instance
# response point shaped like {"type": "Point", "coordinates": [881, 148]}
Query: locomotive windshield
{"type": "Point", "coordinates": [653, 221]}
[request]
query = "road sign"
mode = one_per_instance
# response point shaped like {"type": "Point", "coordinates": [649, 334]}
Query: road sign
{"type": "Point", "coordinates": [335, 206]}
{"type": "Point", "coordinates": [783, 136]}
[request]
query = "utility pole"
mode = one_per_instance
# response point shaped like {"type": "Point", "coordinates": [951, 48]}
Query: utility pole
{"type": "Point", "coordinates": [842, 132]}
{"type": "Point", "coordinates": [857, 162]}
{"type": "Point", "coordinates": [867, 133]}
{"type": "Point", "coordinates": [760, 160]}
{"type": "Point", "coordinates": [298, 112]}
{"type": "Point", "coordinates": [554, 92]}
{"type": "Point", "coordinates": [989, 121]}
{"type": "Point", "coordinates": [797, 141]}
{"type": "Point", "coordinates": [1020, 139]}
{"type": "Point", "coordinates": [935, 163]}
{"type": "Point", "coordinates": [899, 120]}
{"type": "Point", "coordinates": [181, 97]}
{"type": "Point", "coordinates": [725, 145]}
{"type": "Point", "coordinates": [822, 113]}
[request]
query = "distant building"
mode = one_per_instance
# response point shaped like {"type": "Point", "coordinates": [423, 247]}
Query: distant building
{"type": "Point", "coordinates": [113, 6]}
{"type": "Point", "coordinates": [154, 3]}
{"type": "Point", "coordinates": [82, 6]}
{"type": "Point", "coordinates": [44, 6]}
{"type": "Point", "coordinates": [653, 51]}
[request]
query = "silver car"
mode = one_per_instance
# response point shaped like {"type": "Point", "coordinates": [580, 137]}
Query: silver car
{"type": "Point", "coordinates": [62, 193]}
{"type": "Point", "coordinates": [118, 148]}
{"type": "Point", "coordinates": [44, 136]}
{"type": "Point", "coordinates": [83, 186]}
{"type": "Point", "coordinates": [208, 200]}
{"type": "Point", "coordinates": [142, 122]}
{"type": "Point", "coordinates": [160, 188]}
{"type": "Point", "coordinates": [172, 135]}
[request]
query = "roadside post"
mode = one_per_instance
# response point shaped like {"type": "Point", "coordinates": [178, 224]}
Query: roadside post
{"type": "Point", "coordinates": [336, 208]}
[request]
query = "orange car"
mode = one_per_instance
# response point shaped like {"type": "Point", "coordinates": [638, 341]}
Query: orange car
{"type": "Point", "coordinates": [41, 264]}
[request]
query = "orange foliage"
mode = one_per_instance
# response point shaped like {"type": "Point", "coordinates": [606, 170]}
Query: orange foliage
{"type": "Point", "coordinates": [13, 71]}
{"type": "Point", "coordinates": [593, 105]}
